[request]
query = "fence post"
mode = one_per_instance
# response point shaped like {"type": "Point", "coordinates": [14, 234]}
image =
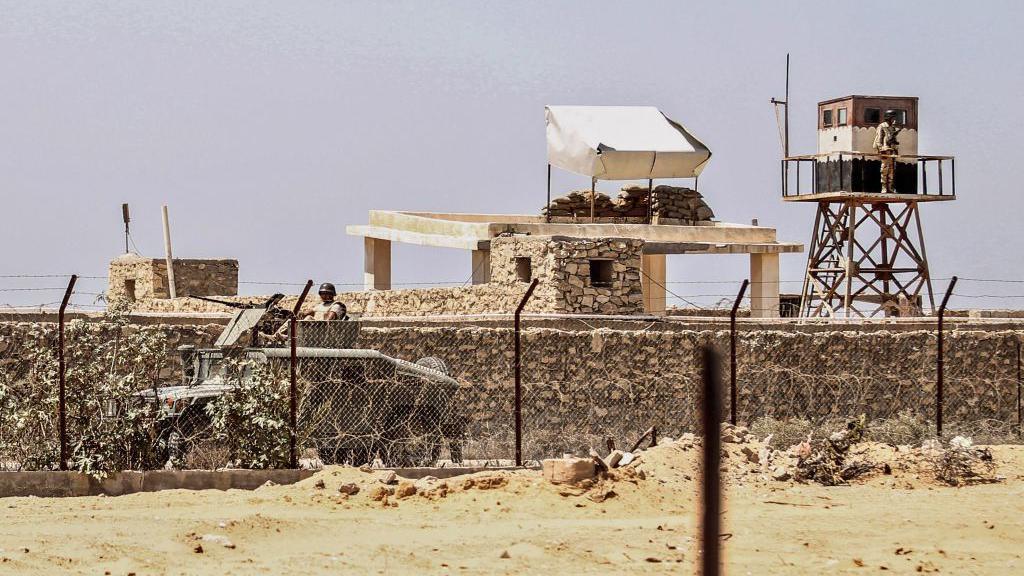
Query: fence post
{"type": "Point", "coordinates": [518, 403]}
{"type": "Point", "coordinates": [732, 352]}
{"type": "Point", "coordinates": [1020, 428]}
{"type": "Point", "coordinates": [293, 458]}
{"type": "Point", "coordinates": [711, 485]}
{"type": "Point", "coordinates": [939, 363]}
{"type": "Point", "coordinates": [62, 422]}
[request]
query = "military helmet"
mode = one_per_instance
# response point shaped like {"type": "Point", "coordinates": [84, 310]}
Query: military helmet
{"type": "Point", "coordinates": [327, 288]}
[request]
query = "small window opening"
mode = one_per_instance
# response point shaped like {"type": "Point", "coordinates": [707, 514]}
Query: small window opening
{"type": "Point", "coordinates": [872, 115]}
{"type": "Point", "coordinates": [524, 271]}
{"type": "Point", "coordinates": [826, 118]}
{"type": "Point", "coordinates": [900, 114]}
{"type": "Point", "coordinates": [841, 117]}
{"type": "Point", "coordinates": [129, 289]}
{"type": "Point", "coordinates": [601, 273]}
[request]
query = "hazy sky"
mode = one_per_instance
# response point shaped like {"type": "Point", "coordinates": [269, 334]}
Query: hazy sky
{"type": "Point", "coordinates": [269, 126]}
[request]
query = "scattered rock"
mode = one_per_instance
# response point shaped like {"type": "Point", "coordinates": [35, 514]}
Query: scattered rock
{"type": "Point", "coordinates": [350, 489]}
{"type": "Point", "coordinates": [505, 554]}
{"type": "Point", "coordinates": [627, 459]}
{"type": "Point", "coordinates": [319, 484]}
{"type": "Point", "coordinates": [601, 494]}
{"type": "Point", "coordinates": [614, 459]}
{"type": "Point", "coordinates": [752, 455]}
{"type": "Point", "coordinates": [780, 473]}
{"type": "Point", "coordinates": [378, 493]}
{"type": "Point", "coordinates": [387, 477]}
{"type": "Point", "coordinates": [568, 470]}
{"type": "Point", "coordinates": [405, 489]}
{"type": "Point", "coordinates": [218, 539]}
{"type": "Point", "coordinates": [488, 482]}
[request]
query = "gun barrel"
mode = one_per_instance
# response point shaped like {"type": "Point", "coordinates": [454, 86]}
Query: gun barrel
{"type": "Point", "coordinates": [226, 303]}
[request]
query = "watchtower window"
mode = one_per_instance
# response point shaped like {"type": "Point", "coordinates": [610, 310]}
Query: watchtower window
{"type": "Point", "coordinates": [826, 118]}
{"type": "Point", "coordinates": [524, 270]}
{"type": "Point", "coordinates": [872, 115]}
{"type": "Point", "coordinates": [899, 113]}
{"type": "Point", "coordinates": [841, 117]}
{"type": "Point", "coordinates": [601, 273]}
{"type": "Point", "coordinates": [129, 289]}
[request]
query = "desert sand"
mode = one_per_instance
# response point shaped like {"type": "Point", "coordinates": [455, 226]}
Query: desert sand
{"type": "Point", "coordinates": [641, 519]}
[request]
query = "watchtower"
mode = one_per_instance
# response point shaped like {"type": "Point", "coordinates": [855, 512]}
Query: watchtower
{"type": "Point", "coordinates": [867, 255]}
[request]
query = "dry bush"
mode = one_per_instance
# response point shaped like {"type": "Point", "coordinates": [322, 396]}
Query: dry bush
{"type": "Point", "coordinates": [207, 455]}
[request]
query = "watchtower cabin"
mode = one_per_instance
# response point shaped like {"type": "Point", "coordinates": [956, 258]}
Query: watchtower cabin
{"type": "Point", "coordinates": [867, 255]}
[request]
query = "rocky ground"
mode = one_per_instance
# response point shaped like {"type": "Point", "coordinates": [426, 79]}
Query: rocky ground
{"type": "Point", "coordinates": [898, 513]}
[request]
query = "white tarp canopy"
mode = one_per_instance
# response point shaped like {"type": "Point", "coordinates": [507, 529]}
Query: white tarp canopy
{"type": "Point", "coordinates": [622, 143]}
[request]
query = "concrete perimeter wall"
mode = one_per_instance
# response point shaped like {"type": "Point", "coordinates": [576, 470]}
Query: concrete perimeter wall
{"type": "Point", "coordinates": [47, 484]}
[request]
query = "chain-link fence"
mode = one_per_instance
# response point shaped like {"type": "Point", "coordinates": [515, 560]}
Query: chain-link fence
{"type": "Point", "coordinates": [429, 393]}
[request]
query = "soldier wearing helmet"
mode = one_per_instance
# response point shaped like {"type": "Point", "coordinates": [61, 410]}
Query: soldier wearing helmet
{"type": "Point", "coordinates": [327, 308]}
{"type": "Point", "coordinates": [887, 146]}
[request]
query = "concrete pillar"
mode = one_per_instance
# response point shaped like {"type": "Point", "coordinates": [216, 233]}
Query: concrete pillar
{"type": "Point", "coordinates": [376, 264]}
{"type": "Point", "coordinates": [652, 282]}
{"type": "Point", "coordinates": [481, 266]}
{"type": "Point", "coordinates": [764, 285]}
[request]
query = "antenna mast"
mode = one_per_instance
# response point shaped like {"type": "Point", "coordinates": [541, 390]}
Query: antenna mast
{"type": "Point", "coordinates": [785, 103]}
{"type": "Point", "coordinates": [127, 219]}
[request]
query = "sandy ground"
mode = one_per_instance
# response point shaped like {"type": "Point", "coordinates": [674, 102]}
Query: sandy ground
{"type": "Point", "coordinates": [519, 524]}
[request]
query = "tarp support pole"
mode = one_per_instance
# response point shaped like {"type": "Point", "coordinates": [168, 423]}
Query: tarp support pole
{"type": "Point", "coordinates": [650, 201]}
{"type": "Point", "coordinates": [593, 198]}
{"type": "Point", "coordinates": [548, 211]}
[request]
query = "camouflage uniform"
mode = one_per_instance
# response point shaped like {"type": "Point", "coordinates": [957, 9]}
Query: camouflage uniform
{"type": "Point", "coordinates": [887, 145]}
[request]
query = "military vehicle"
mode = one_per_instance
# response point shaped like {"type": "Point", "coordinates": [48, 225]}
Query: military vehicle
{"type": "Point", "coordinates": [354, 405]}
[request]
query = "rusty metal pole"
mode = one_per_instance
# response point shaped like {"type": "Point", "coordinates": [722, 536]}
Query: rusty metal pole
{"type": "Point", "coordinates": [732, 352]}
{"type": "Point", "coordinates": [62, 420]}
{"type": "Point", "coordinates": [939, 362]}
{"type": "Point", "coordinates": [293, 459]}
{"type": "Point", "coordinates": [549, 194]}
{"type": "Point", "coordinates": [593, 197]}
{"type": "Point", "coordinates": [1020, 428]}
{"type": "Point", "coordinates": [518, 402]}
{"type": "Point", "coordinates": [650, 200]}
{"type": "Point", "coordinates": [711, 485]}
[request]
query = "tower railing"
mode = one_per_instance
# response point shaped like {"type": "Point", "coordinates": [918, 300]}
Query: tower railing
{"type": "Point", "coordinates": [843, 167]}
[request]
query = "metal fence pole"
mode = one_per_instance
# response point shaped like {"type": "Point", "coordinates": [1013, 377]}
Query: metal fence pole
{"type": "Point", "coordinates": [939, 362]}
{"type": "Point", "coordinates": [1020, 428]}
{"type": "Point", "coordinates": [518, 404]}
{"type": "Point", "coordinates": [293, 458]}
{"type": "Point", "coordinates": [732, 352]}
{"type": "Point", "coordinates": [62, 422]}
{"type": "Point", "coordinates": [712, 487]}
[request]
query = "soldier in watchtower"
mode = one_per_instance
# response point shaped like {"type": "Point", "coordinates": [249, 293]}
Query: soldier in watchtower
{"type": "Point", "coordinates": [887, 145]}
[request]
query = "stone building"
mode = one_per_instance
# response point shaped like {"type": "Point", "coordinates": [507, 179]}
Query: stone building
{"type": "Point", "coordinates": [577, 275]}
{"type": "Point", "coordinates": [133, 277]}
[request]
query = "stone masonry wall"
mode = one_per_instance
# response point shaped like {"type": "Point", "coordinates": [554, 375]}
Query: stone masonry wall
{"type": "Point", "coordinates": [572, 274]}
{"type": "Point", "coordinates": [199, 277]}
{"type": "Point", "coordinates": [562, 264]}
{"type": "Point", "coordinates": [448, 301]}
{"type": "Point", "coordinates": [583, 386]}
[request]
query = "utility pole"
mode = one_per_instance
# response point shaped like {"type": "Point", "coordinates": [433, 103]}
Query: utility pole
{"type": "Point", "coordinates": [168, 255]}
{"type": "Point", "coordinates": [785, 122]}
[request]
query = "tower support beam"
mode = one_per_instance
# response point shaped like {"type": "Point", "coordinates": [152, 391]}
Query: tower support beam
{"type": "Point", "coordinates": [867, 259]}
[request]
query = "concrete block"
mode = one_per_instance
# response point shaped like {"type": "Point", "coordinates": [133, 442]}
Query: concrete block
{"type": "Point", "coordinates": [568, 470]}
{"type": "Point", "coordinates": [614, 458]}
